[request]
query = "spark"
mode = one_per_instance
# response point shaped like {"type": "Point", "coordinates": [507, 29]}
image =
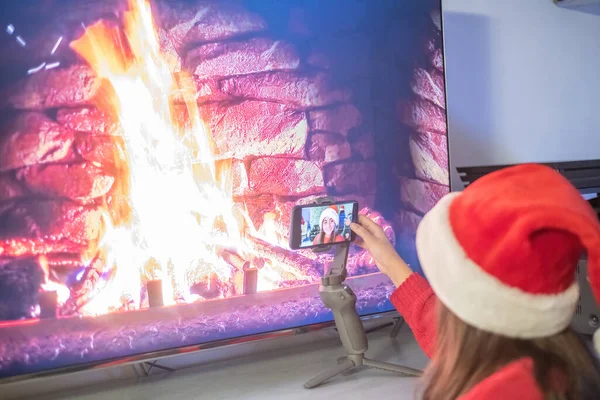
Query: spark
{"type": "Point", "coordinates": [10, 29]}
{"type": "Point", "coordinates": [52, 65]}
{"type": "Point", "coordinates": [36, 69]}
{"type": "Point", "coordinates": [56, 45]}
{"type": "Point", "coordinates": [21, 41]}
{"type": "Point", "coordinates": [79, 275]}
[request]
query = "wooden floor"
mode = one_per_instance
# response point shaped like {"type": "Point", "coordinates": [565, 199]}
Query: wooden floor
{"type": "Point", "coordinates": [265, 370]}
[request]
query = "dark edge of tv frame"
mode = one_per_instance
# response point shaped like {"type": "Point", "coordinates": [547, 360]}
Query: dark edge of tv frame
{"type": "Point", "coordinates": [584, 175]}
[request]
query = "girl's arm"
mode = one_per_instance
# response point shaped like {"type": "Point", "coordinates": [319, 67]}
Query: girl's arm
{"type": "Point", "coordinates": [415, 301]}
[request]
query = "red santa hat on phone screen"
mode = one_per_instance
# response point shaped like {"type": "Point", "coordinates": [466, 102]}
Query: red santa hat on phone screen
{"type": "Point", "coordinates": [502, 254]}
{"type": "Point", "coordinates": [330, 212]}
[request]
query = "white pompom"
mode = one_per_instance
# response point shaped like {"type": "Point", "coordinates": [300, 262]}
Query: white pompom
{"type": "Point", "coordinates": [597, 341]}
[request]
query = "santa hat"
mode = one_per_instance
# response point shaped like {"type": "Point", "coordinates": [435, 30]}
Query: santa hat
{"type": "Point", "coordinates": [330, 212]}
{"type": "Point", "coordinates": [502, 254]}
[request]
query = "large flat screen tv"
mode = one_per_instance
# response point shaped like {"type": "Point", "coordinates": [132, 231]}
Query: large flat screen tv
{"type": "Point", "coordinates": [151, 153]}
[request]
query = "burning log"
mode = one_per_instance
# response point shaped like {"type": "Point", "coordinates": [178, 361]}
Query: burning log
{"type": "Point", "coordinates": [211, 286]}
{"type": "Point", "coordinates": [152, 270]}
{"type": "Point", "coordinates": [45, 226]}
{"type": "Point", "coordinates": [239, 265]}
{"type": "Point", "coordinates": [293, 265]}
{"type": "Point", "coordinates": [210, 281]}
{"type": "Point", "coordinates": [48, 304]}
{"type": "Point", "coordinates": [234, 259]}
{"type": "Point", "coordinates": [246, 272]}
{"type": "Point", "coordinates": [250, 280]}
{"type": "Point", "coordinates": [84, 289]}
{"type": "Point", "coordinates": [155, 293]}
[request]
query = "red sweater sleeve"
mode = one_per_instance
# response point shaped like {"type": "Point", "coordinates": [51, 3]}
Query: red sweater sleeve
{"type": "Point", "coordinates": [415, 301]}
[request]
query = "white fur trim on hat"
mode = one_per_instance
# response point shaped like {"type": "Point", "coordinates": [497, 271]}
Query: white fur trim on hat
{"type": "Point", "coordinates": [597, 341]}
{"type": "Point", "coordinates": [329, 213]}
{"type": "Point", "coordinates": [478, 298]}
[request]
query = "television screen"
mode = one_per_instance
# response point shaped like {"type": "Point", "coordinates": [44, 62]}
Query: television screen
{"type": "Point", "coordinates": [151, 153]}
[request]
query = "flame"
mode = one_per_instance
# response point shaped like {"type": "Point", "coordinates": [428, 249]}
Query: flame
{"type": "Point", "coordinates": [180, 197]}
{"type": "Point", "coordinates": [268, 230]}
{"type": "Point", "coordinates": [50, 285]}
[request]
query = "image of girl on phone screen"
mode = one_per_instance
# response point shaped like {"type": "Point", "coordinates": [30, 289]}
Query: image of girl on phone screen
{"type": "Point", "coordinates": [328, 224]}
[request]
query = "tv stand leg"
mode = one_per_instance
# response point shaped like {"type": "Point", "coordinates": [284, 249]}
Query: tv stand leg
{"type": "Point", "coordinates": [398, 324]}
{"type": "Point", "coordinates": [148, 365]}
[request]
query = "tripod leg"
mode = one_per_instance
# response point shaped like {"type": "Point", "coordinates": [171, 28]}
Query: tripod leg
{"type": "Point", "coordinates": [392, 367]}
{"type": "Point", "coordinates": [329, 373]}
{"type": "Point", "coordinates": [397, 326]}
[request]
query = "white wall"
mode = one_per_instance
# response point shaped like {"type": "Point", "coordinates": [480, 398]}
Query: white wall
{"type": "Point", "coordinates": [523, 82]}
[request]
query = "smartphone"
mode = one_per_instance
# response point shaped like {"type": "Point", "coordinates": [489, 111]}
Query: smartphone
{"type": "Point", "coordinates": [322, 225]}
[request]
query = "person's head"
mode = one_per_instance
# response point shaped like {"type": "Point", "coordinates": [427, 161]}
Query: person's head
{"type": "Point", "coordinates": [564, 368]}
{"type": "Point", "coordinates": [501, 257]}
{"type": "Point", "coordinates": [328, 226]}
{"type": "Point", "coordinates": [329, 221]}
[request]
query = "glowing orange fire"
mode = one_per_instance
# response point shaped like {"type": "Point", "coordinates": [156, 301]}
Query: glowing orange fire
{"type": "Point", "coordinates": [181, 201]}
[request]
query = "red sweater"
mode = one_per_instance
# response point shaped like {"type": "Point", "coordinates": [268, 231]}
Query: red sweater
{"type": "Point", "coordinates": [415, 301]}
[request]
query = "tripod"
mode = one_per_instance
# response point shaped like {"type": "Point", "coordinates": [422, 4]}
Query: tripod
{"type": "Point", "coordinates": [342, 301]}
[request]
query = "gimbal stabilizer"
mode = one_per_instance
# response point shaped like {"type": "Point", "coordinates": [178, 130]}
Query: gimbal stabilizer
{"type": "Point", "coordinates": [342, 301]}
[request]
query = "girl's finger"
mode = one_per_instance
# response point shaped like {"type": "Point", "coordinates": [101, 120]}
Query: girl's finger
{"type": "Point", "coordinates": [360, 243]}
{"type": "Point", "coordinates": [369, 224]}
{"type": "Point", "coordinates": [360, 231]}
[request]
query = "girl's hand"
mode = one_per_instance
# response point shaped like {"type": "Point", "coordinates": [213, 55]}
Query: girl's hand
{"type": "Point", "coordinates": [373, 239]}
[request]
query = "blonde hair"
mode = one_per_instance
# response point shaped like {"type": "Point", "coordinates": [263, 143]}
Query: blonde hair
{"type": "Point", "coordinates": [564, 367]}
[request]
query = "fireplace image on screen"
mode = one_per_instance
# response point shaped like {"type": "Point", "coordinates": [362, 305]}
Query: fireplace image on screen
{"type": "Point", "coordinates": [151, 153]}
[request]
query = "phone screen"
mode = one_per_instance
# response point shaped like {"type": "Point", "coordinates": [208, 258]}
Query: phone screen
{"type": "Point", "coordinates": [318, 225]}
